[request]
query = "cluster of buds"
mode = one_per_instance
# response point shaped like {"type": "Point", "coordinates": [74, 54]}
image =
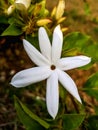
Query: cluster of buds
{"type": "Point", "coordinates": [36, 15]}
{"type": "Point", "coordinates": [58, 11]}
{"type": "Point", "coordinates": [16, 3]}
{"type": "Point", "coordinates": [56, 16]}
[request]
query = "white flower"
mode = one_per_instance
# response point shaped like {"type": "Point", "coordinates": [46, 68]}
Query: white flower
{"type": "Point", "coordinates": [50, 67]}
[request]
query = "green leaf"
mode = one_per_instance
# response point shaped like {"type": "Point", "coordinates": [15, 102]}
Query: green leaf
{"type": "Point", "coordinates": [91, 86]}
{"type": "Point", "coordinates": [72, 121]}
{"type": "Point", "coordinates": [70, 52]}
{"type": "Point", "coordinates": [29, 119]}
{"type": "Point", "coordinates": [75, 40]}
{"type": "Point", "coordinates": [3, 19]}
{"type": "Point", "coordinates": [93, 123]}
{"type": "Point", "coordinates": [77, 43]}
{"type": "Point", "coordinates": [92, 51]}
{"type": "Point", "coordinates": [12, 30]}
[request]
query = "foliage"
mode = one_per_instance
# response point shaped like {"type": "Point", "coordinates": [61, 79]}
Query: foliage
{"type": "Point", "coordinates": [29, 119]}
{"type": "Point", "coordinates": [91, 86]}
{"type": "Point", "coordinates": [73, 121]}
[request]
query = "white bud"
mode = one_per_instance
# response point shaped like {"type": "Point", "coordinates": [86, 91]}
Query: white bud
{"type": "Point", "coordinates": [10, 10]}
{"type": "Point", "coordinates": [26, 3]}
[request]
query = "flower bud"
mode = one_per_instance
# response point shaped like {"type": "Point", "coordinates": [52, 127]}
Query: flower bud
{"type": "Point", "coordinates": [26, 3]}
{"type": "Point", "coordinates": [64, 29]}
{"type": "Point", "coordinates": [42, 22]}
{"type": "Point", "coordinates": [10, 10]}
{"type": "Point", "coordinates": [53, 12]}
{"type": "Point", "coordinates": [61, 20]}
{"type": "Point", "coordinates": [60, 9]}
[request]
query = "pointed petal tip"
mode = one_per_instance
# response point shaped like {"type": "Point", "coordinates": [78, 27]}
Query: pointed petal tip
{"type": "Point", "coordinates": [11, 83]}
{"type": "Point", "coordinates": [77, 97]}
{"type": "Point", "coordinates": [24, 41]}
{"type": "Point", "coordinates": [41, 29]}
{"type": "Point", "coordinates": [79, 100]}
{"type": "Point", "coordinates": [52, 115]}
{"type": "Point", "coordinates": [58, 31]}
{"type": "Point", "coordinates": [58, 27]}
{"type": "Point", "coordinates": [88, 59]}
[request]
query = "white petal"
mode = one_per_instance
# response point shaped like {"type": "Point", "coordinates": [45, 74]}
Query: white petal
{"type": "Point", "coordinates": [29, 76]}
{"type": "Point", "coordinates": [44, 43]}
{"type": "Point", "coordinates": [68, 84]}
{"type": "Point", "coordinates": [73, 62]}
{"type": "Point", "coordinates": [57, 44]}
{"type": "Point", "coordinates": [34, 54]}
{"type": "Point", "coordinates": [52, 94]}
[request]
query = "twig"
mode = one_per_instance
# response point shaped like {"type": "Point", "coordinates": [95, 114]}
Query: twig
{"type": "Point", "coordinates": [5, 124]}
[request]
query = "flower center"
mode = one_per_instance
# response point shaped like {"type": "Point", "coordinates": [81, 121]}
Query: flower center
{"type": "Point", "coordinates": [53, 67]}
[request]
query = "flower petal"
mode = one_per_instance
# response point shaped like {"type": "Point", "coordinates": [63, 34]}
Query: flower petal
{"type": "Point", "coordinates": [34, 54]}
{"type": "Point", "coordinates": [73, 62]}
{"type": "Point", "coordinates": [29, 76]}
{"type": "Point", "coordinates": [52, 94]}
{"type": "Point", "coordinates": [44, 43]}
{"type": "Point", "coordinates": [68, 84]}
{"type": "Point", "coordinates": [57, 44]}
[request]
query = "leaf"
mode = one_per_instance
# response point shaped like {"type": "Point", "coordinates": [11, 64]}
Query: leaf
{"type": "Point", "coordinates": [82, 43]}
{"type": "Point", "coordinates": [75, 40]}
{"type": "Point", "coordinates": [91, 86]}
{"type": "Point", "coordinates": [72, 121]}
{"type": "Point", "coordinates": [93, 123]}
{"type": "Point", "coordinates": [29, 119]}
{"type": "Point", "coordinates": [92, 51]}
{"type": "Point", "coordinates": [12, 30]}
{"type": "Point", "coordinates": [3, 19]}
{"type": "Point", "coordinates": [70, 52]}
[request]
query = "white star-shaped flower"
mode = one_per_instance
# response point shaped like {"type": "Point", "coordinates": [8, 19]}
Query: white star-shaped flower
{"type": "Point", "coordinates": [50, 67]}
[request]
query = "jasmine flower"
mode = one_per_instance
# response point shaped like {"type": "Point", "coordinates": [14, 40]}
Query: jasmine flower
{"type": "Point", "coordinates": [50, 66]}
